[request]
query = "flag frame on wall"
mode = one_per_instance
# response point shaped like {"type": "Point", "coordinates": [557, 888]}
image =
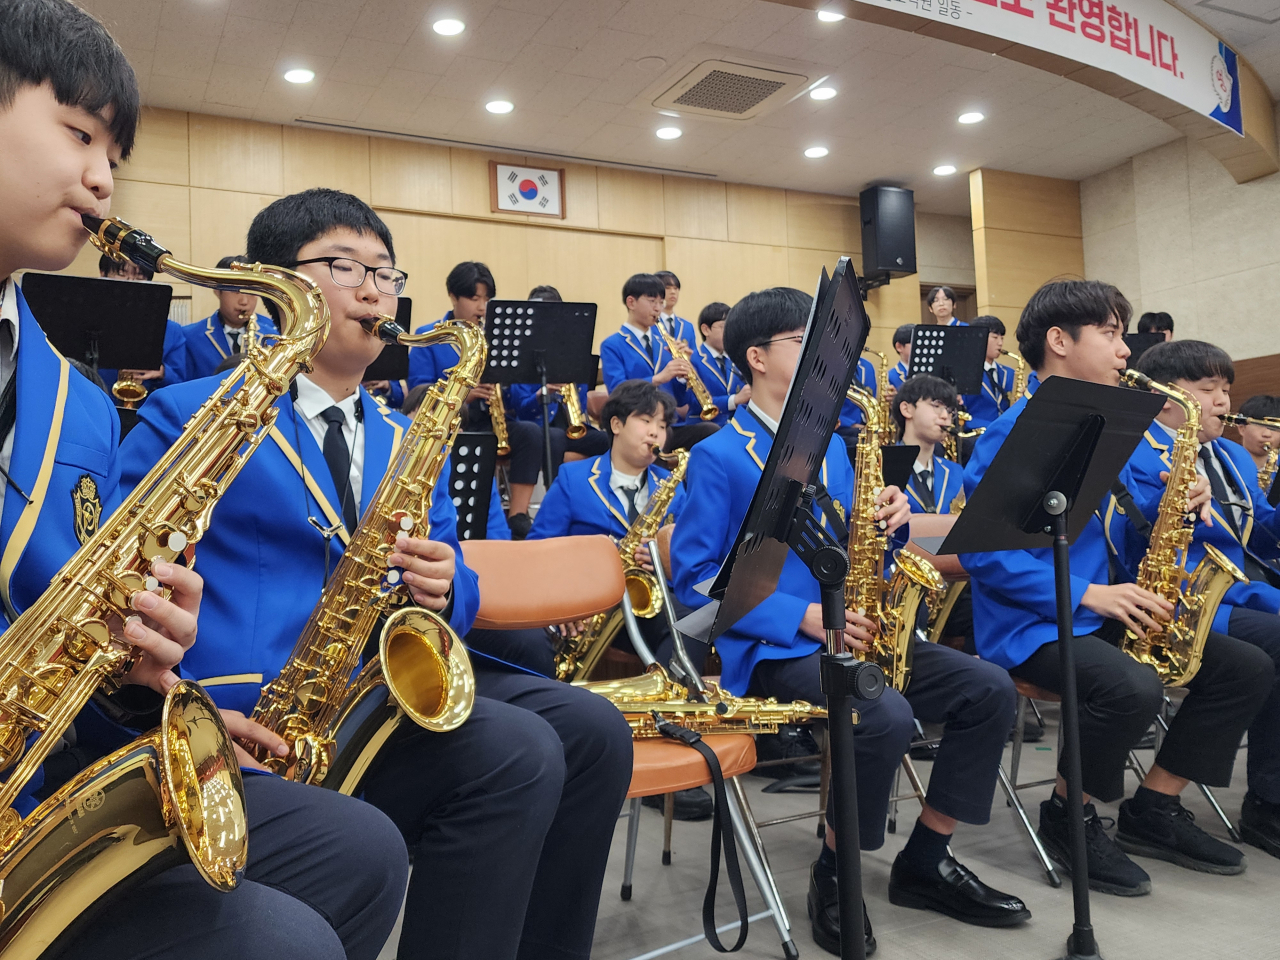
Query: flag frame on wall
{"type": "Point", "coordinates": [534, 191]}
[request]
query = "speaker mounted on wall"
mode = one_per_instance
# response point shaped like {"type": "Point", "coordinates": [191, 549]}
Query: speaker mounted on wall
{"type": "Point", "coordinates": [888, 234]}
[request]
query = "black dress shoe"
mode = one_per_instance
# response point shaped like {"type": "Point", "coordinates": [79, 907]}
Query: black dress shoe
{"type": "Point", "coordinates": [824, 913]}
{"type": "Point", "coordinates": [1260, 824]}
{"type": "Point", "coordinates": [955, 890]}
{"type": "Point", "coordinates": [520, 525]}
{"type": "Point", "coordinates": [693, 804]}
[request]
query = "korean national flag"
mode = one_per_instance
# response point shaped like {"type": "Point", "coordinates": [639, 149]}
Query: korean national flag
{"type": "Point", "coordinates": [529, 190]}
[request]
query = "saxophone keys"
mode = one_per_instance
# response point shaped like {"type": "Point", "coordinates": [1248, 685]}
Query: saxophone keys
{"type": "Point", "coordinates": [403, 521]}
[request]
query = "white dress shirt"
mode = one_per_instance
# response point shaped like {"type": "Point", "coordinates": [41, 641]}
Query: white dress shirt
{"type": "Point", "coordinates": [242, 332]}
{"type": "Point", "coordinates": [763, 417]}
{"type": "Point", "coordinates": [9, 326]}
{"type": "Point", "coordinates": [311, 402]}
{"type": "Point", "coordinates": [619, 481]}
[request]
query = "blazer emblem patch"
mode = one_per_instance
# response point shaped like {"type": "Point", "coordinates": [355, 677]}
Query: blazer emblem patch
{"type": "Point", "coordinates": [86, 506]}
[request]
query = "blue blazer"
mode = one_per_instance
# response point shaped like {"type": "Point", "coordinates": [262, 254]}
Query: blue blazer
{"type": "Point", "coordinates": [948, 483]}
{"type": "Point", "coordinates": [176, 364]}
{"type": "Point", "coordinates": [720, 386]}
{"type": "Point", "coordinates": [428, 364]}
{"type": "Point", "coordinates": [580, 502]}
{"type": "Point", "coordinates": [724, 470]}
{"type": "Point", "coordinates": [987, 404]}
{"type": "Point", "coordinates": [623, 357]}
{"type": "Point", "coordinates": [1013, 590]}
{"type": "Point", "coordinates": [262, 561]}
{"type": "Point", "coordinates": [851, 413]}
{"type": "Point", "coordinates": [525, 404]}
{"type": "Point", "coordinates": [684, 330]}
{"type": "Point", "coordinates": [898, 375]}
{"type": "Point", "coordinates": [1260, 526]}
{"type": "Point", "coordinates": [207, 345]}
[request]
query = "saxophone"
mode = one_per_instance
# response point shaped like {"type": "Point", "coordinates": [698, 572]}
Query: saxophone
{"type": "Point", "coordinates": [579, 655]}
{"type": "Point", "coordinates": [336, 726]}
{"type": "Point", "coordinates": [882, 384]}
{"type": "Point", "coordinates": [680, 350]}
{"type": "Point", "coordinates": [1021, 374]}
{"type": "Point", "coordinates": [577, 428]}
{"type": "Point", "coordinates": [1266, 472]}
{"type": "Point", "coordinates": [498, 417]}
{"type": "Point", "coordinates": [893, 605]}
{"type": "Point", "coordinates": [176, 793]}
{"type": "Point", "coordinates": [1175, 648]}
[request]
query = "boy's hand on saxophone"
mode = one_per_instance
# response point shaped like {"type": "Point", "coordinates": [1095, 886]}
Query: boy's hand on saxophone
{"type": "Point", "coordinates": [164, 630]}
{"type": "Point", "coordinates": [428, 567]}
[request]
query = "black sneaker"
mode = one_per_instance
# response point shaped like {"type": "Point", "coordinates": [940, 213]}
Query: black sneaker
{"type": "Point", "coordinates": [1110, 871]}
{"type": "Point", "coordinates": [1169, 832]}
{"type": "Point", "coordinates": [792, 741]}
{"type": "Point", "coordinates": [520, 525]}
{"type": "Point", "coordinates": [1260, 824]}
{"type": "Point", "coordinates": [692, 804]}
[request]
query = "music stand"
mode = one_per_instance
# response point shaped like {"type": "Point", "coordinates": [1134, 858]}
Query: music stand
{"type": "Point", "coordinates": [896, 464]}
{"type": "Point", "coordinates": [473, 459]}
{"type": "Point", "coordinates": [781, 519]}
{"type": "Point", "coordinates": [1067, 448]}
{"type": "Point", "coordinates": [114, 324]}
{"type": "Point", "coordinates": [392, 363]}
{"type": "Point", "coordinates": [540, 341]}
{"type": "Point", "coordinates": [956, 354]}
{"type": "Point", "coordinates": [1140, 343]}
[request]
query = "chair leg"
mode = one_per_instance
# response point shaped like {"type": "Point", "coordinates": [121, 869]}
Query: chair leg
{"type": "Point", "coordinates": [758, 841]}
{"type": "Point", "coordinates": [668, 814]}
{"type": "Point", "coordinates": [1046, 864]}
{"type": "Point", "coordinates": [760, 871]}
{"type": "Point", "coordinates": [633, 835]}
{"type": "Point", "coordinates": [1015, 758]}
{"type": "Point", "coordinates": [892, 825]}
{"type": "Point", "coordinates": [1035, 712]}
{"type": "Point", "coordinates": [1217, 808]}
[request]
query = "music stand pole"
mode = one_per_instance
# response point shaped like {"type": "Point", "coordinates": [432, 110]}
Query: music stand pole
{"type": "Point", "coordinates": [548, 468]}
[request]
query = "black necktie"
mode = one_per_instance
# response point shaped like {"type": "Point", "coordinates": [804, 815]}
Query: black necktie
{"type": "Point", "coordinates": [1002, 395]}
{"type": "Point", "coordinates": [724, 367]}
{"type": "Point", "coordinates": [338, 457]}
{"type": "Point", "coordinates": [648, 345]}
{"type": "Point", "coordinates": [629, 495]}
{"type": "Point", "coordinates": [234, 340]}
{"type": "Point", "coordinates": [1219, 488]}
{"type": "Point", "coordinates": [924, 487]}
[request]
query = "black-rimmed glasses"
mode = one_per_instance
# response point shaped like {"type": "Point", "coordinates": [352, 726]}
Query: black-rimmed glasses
{"type": "Point", "coordinates": [794, 338]}
{"type": "Point", "coordinates": [351, 273]}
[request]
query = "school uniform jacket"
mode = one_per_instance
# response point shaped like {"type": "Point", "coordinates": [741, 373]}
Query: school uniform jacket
{"type": "Point", "coordinates": [176, 364]}
{"type": "Point", "coordinates": [898, 375]}
{"type": "Point", "coordinates": [580, 502]}
{"type": "Point", "coordinates": [262, 560]}
{"type": "Point", "coordinates": [683, 331]}
{"type": "Point", "coordinates": [207, 344]}
{"type": "Point", "coordinates": [988, 403]}
{"type": "Point", "coordinates": [1014, 608]}
{"type": "Point", "coordinates": [428, 364]}
{"type": "Point", "coordinates": [948, 483]}
{"type": "Point", "coordinates": [851, 413]}
{"type": "Point", "coordinates": [527, 405]}
{"type": "Point", "coordinates": [1260, 522]}
{"type": "Point", "coordinates": [720, 385]}
{"type": "Point", "coordinates": [724, 470]}
{"type": "Point", "coordinates": [623, 357]}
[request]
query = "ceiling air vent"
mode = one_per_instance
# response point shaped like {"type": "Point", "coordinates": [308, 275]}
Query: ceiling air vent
{"type": "Point", "coordinates": [734, 91]}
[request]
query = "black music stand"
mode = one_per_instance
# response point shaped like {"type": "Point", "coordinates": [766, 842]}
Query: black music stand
{"type": "Point", "coordinates": [392, 363]}
{"type": "Point", "coordinates": [956, 354]}
{"type": "Point", "coordinates": [781, 519]}
{"type": "Point", "coordinates": [896, 464]}
{"type": "Point", "coordinates": [1140, 343]}
{"type": "Point", "coordinates": [1067, 448]}
{"type": "Point", "coordinates": [540, 341]}
{"type": "Point", "coordinates": [473, 459]}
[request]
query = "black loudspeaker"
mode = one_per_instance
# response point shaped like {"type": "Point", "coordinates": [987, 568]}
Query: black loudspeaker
{"type": "Point", "coordinates": [888, 232]}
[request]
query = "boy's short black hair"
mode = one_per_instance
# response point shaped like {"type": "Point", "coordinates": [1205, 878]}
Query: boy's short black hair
{"type": "Point", "coordinates": [1071, 305]}
{"type": "Point", "coordinates": [110, 267]}
{"type": "Point", "coordinates": [413, 399]}
{"type": "Point", "coordinates": [712, 314]}
{"type": "Point", "coordinates": [644, 285]}
{"type": "Point", "coordinates": [546, 292]}
{"type": "Point", "coordinates": [993, 324]}
{"type": "Point", "coordinates": [466, 276]}
{"type": "Point", "coordinates": [668, 279]}
{"type": "Point", "coordinates": [922, 387]}
{"type": "Point", "coordinates": [637, 396]}
{"type": "Point", "coordinates": [759, 317]}
{"type": "Point", "coordinates": [1155, 322]}
{"type": "Point", "coordinates": [904, 333]}
{"type": "Point", "coordinates": [226, 262]}
{"type": "Point", "coordinates": [1261, 405]}
{"type": "Point", "coordinates": [284, 227]}
{"type": "Point", "coordinates": [1186, 360]}
{"type": "Point", "coordinates": [947, 291]}
{"type": "Point", "coordinates": [55, 42]}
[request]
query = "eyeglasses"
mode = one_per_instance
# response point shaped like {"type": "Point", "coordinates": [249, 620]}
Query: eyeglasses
{"type": "Point", "coordinates": [351, 273]}
{"type": "Point", "coordinates": [794, 338]}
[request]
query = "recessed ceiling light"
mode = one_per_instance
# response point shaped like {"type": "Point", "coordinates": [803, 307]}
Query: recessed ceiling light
{"type": "Point", "coordinates": [669, 133]}
{"type": "Point", "coordinates": [448, 28]}
{"type": "Point", "coordinates": [945, 170]}
{"type": "Point", "coordinates": [829, 16]}
{"type": "Point", "coordinates": [974, 117]}
{"type": "Point", "coordinates": [499, 106]}
{"type": "Point", "coordinates": [823, 93]}
{"type": "Point", "coordinates": [816, 153]}
{"type": "Point", "coordinates": [299, 76]}
{"type": "Point", "coordinates": [668, 113]}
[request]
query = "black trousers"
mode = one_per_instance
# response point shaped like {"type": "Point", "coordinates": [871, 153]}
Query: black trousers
{"type": "Point", "coordinates": [974, 701]}
{"type": "Point", "coordinates": [1262, 630]}
{"type": "Point", "coordinates": [689, 434]}
{"type": "Point", "coordinates": [591, 444]}
{"type": "Point", "coordinates": [1119, 699]}
{"type": "Point", "coordinates": [509, 819]}
{"type": "Point", "coordinates": [526, 443]}
{"type": "Point", "coordinates": [324, 881]}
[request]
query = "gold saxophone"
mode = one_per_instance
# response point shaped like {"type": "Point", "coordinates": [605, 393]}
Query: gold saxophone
{"type": "Point", "coordinates": [680, 350]}
{"type": "Point", "coordinates": [498, 417]}
{"type": "Point", "coordinates": [1176, 647]}
{"type": "Point", "coordinates": [578, 656]}
{"type": "Point", "coordinates": [1021, 373]}
{"type": "Point", "coordinates": [882, 385]}
{"type": "Point", "coordinates": [177, 793]}
{"type": "Point", "coordinates": [333, 725]}
{"type": "Point", "coordinates": [893, 605]}
{"type": "Point", "coordinates": [577, 428]}
{"type": "Point", "coordinates": [638, 698]}
{"type": "Point", "coordinates": [1266, 472]}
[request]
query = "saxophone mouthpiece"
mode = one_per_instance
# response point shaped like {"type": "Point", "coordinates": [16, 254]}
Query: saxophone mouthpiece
{"type": "Point", "coordinates": [384, 327]}
{"type": "Point", "coordinates": [122, 241]}
{"type": "Point", "coordinates": [1132, 378]}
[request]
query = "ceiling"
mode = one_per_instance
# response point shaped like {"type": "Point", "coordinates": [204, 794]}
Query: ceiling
{"type": "Point", "coordinates": [582, 75]}
{"type": "Point", "coordinates": [1251, 27]}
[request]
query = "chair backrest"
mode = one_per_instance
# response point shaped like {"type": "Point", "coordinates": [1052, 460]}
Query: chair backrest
{"type": "Point", "coordinates": [936, 525]}
{"type": "Point", "coordinates": [664, 547]}
{"type": "Point", "coordinates": [538, 583]}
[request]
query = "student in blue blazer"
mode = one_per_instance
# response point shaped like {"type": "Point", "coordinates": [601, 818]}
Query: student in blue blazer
{"type": "Point", "coordinates": [543, 766]}
{"type": "Point", "coordinates": [902, 347]}
{"type": "Point", "coordinates": [638, 352]}
{"type": "Point", "coordinates": [1074, 328]}
{"type": "Point", "coordinates": [941, 302]}
{"type": "Point", "coordinates": [218, 336]}
{"type": "Point", "coordinates": [69, 116]}
{"type": "Point", "coordinates": [1244, 526]}
{"type": "Point", "coordinates": [678, 327]}
{"type": "Point", "coordinates": [174, 363]}
{"type": "Point", "coordinates": [774, 650]}
{"type": "Point", "coordinates": [850, 412]}
{"type": "Point", "coordinates": [722, 379]}
{"type": "Point", "coordinates": [996, 394]}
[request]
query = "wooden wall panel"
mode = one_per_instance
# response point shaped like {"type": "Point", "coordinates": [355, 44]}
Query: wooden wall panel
{"type": "Point", "coordinates": [695, 208]}
{"type": "Point", "coordinates": [757, 214]}
{"type": "Point", "coordinates": [822, 222]}
{"type": "Point", "coordinates": [711, 270]}
{"type": "Point", "coordinates": [1019, 263]}
{"type": "Point", "coordinates": [804, 267]}
{"type": "Point", "coordinates": [582, 208]}
{"type": "Point", "coordinates": [469, 174]}
{"type": "Point", "coordinates": [220, 222]}
{"type": "Point", "coordinates": [322, 158]}
{"type": "Point", "coordinates": [160, 209]}
{"type": "Point", "coordinates": [1018, 201]}
{"type": "Point", "coordinates": [229, 154]}
{"type": "Point", "coordinates": [410, 176]}
{"type": "Point", "coordinates": [1253, 376]}
{"type": "Point", "coordinates": [630, 201]}
{"type": "Point", "coordinates": [161, 150]}
{"type": "Point", "coordinates": [889, 307]}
